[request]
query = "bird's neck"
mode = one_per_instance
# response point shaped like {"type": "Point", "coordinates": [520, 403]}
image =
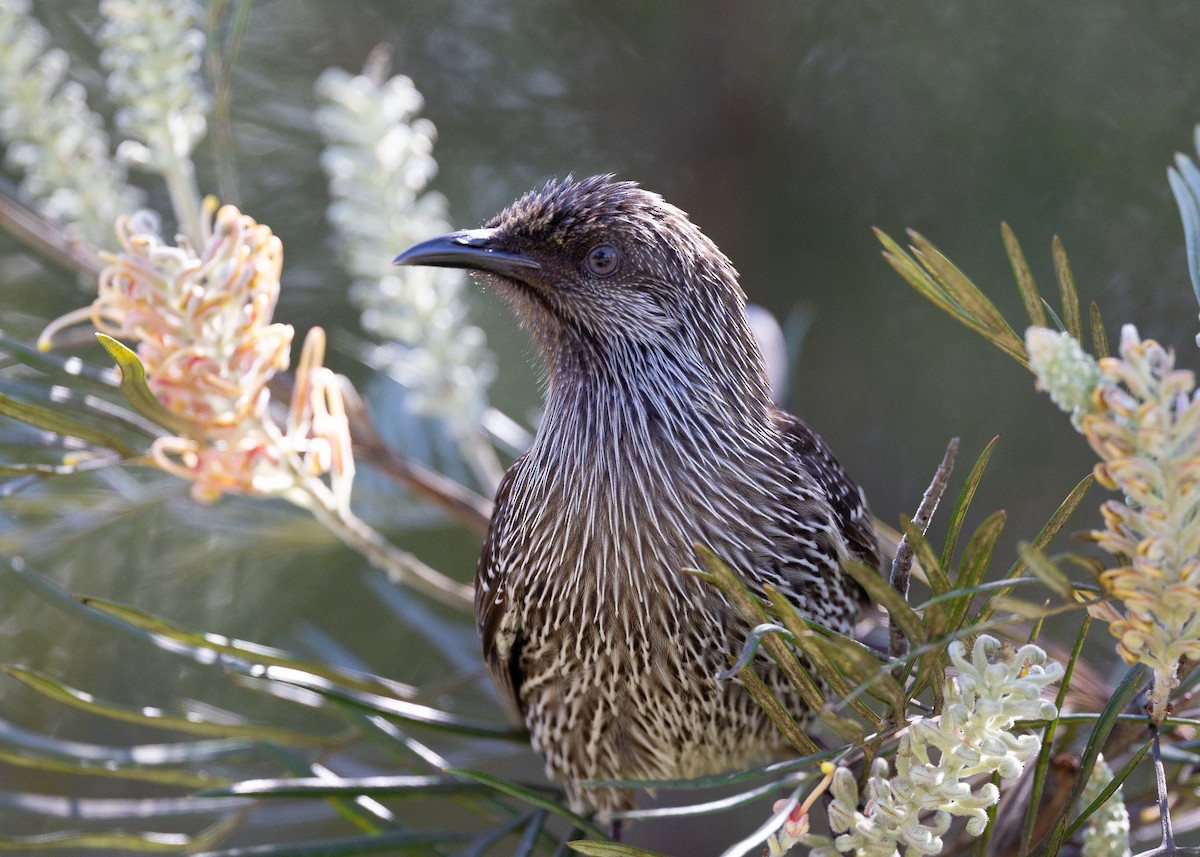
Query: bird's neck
{"type": "Point", "coordinates": [644, 401]}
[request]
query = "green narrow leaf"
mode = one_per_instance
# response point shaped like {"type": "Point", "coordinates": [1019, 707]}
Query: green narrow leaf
{"type": "Point", "coordinates": [60, 692]}
{"type": "Point", "coordinates": [780, 716]}
{"type": "Point", "coordinates": [859, 664]}
{"type": "Point", "coordinates": [1066, 285]}
{"type": "Point", "coordinates": [1048, 733]}
{"type": "Point", "coordinates": [881, 592]}
{"type": "Point", "coordinates": [864, 669]}
{"type": "Point", "coordinates": [754, 614]}
{"type": "Point", "coordinates": [183, 779]}
{"type": "Point", "coordinates": [266, 655]}
{"type": "Point", "coordinates": [967, 295]}
{"type": "Point", "coordinates": [1025, 282]}
{"type": "Point", "coordinates": [937, 615]}
{"type": "Point", "coordinates": [1046, 571]}
{"type": "Point", "coordinates": [397, 709]}
{"type": "Point", "coordinates": [925, 285]}
{"type": "Point", "coordinates": [53, 420]}
{"type": "Point", "coordinates": [608, 849]}
{"type": "Point", "coordinates": [390, 842]}
{"type": "Point", "coordinates": [530, 797]}
{"type": "Point", "coordinates": [977, 558]}
{"type": "Point", "coordinates": [136, 843]}
{"type": "Point", "coordinates": [137, 392]}
{"type": "Point", "coordinates": [923, 551]}
{"type": "Point", "coordinates": [1099, 337]}
{"type": "Point", "coordinates": [1125, 691]}
{"type": "Point", "coordinates": [1108, 790]}
{"type": "Point", "coordinates": [317, 787]}
{"type": "Point", "coordinates": [815, 656]}
{"type": "Point", "coordinates": [906, 266]}
{"type": "Point", "coordinates": [956, 284]}
{"type": "Point", "coordinates": [1047, 534]}
{"type": "Point", "coordinates": [964, 502]}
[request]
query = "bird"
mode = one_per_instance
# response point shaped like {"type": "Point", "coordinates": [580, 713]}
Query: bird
{"type": "Point", "coordinates": [658, 434]}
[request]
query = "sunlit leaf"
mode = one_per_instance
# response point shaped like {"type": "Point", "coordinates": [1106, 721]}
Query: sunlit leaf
{"type": "Point", "coordinates": [137, 392]}
{"type": "Point", "coordinates": [57, 690]}
{"type": "Point", "coordinates": [249, 651]}
{"type": "Point", "coordinates": [136, 843]}
{"type": "Point", "coordinates": [183, 779]}
{"type": "Point", "coordinates": [314, 787]}
{"type": "Point", "coordinates": [56, 421]}
{"type": "Point", "coordinates": [394, 708]}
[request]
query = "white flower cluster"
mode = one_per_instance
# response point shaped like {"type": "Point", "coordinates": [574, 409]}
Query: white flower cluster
{"type": "Point", "coordinates": [53, 139]}
{"type": "Point", "coordinates": [938, 756]}
{"type": "Point", "coordinates": [153, 51]}
{"type": "Point", "coordinates": [1064, 370]}
{"type": "Point", "coordinates": [378, 159]}
{"type": "Point", "coordinates": [1106, 833]}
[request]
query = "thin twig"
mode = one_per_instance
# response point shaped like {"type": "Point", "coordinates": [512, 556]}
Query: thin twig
{"type": "Point", "coordinates": [47, 239]}
{"type": "Point", "coordinates": [1164, 804]}
{"type": "Point", "coordinates": [400, 565]}
{"type": "Point", "coordinates": [902, 564]}
{"type": "Point", "coordinates": [468, 507]}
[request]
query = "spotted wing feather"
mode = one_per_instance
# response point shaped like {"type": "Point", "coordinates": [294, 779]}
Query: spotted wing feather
{"type": "Point", "coordinates": [495, 612]}
{"type": "Point", "coordinates": [847, 499]}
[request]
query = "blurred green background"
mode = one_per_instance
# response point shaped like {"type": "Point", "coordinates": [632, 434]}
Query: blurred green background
{"type": "Point", "coordinates": [787, 132]}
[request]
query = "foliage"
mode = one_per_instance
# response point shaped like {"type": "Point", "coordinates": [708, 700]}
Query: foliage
{"type": "Point", "coordinates": [933, 725]}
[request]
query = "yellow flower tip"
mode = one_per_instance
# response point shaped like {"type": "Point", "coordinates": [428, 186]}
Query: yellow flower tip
{"type": "Point", "coordinates": [827, 768]}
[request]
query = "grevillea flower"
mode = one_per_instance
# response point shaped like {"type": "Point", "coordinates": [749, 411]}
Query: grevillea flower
{"type": "Point", "coordinates": [1143, 420]}
{"type": "Point", "coordinates": [204, 334]}
{"type": "Point", "coordinates": [938, 757]}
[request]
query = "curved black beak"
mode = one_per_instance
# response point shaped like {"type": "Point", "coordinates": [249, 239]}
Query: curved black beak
{"type": "Point", "coordinates": [474, 249]}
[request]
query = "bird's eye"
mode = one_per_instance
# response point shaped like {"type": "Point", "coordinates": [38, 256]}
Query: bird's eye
{"type": "Point", "coordinates": [603, 260]}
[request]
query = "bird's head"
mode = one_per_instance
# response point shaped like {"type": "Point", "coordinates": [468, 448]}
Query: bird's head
{"type": "Point", "coordinates": [602, 270]}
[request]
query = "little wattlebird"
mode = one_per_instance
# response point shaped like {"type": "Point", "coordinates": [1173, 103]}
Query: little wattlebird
{"type": "Point", "coordinates": [658, 434]}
